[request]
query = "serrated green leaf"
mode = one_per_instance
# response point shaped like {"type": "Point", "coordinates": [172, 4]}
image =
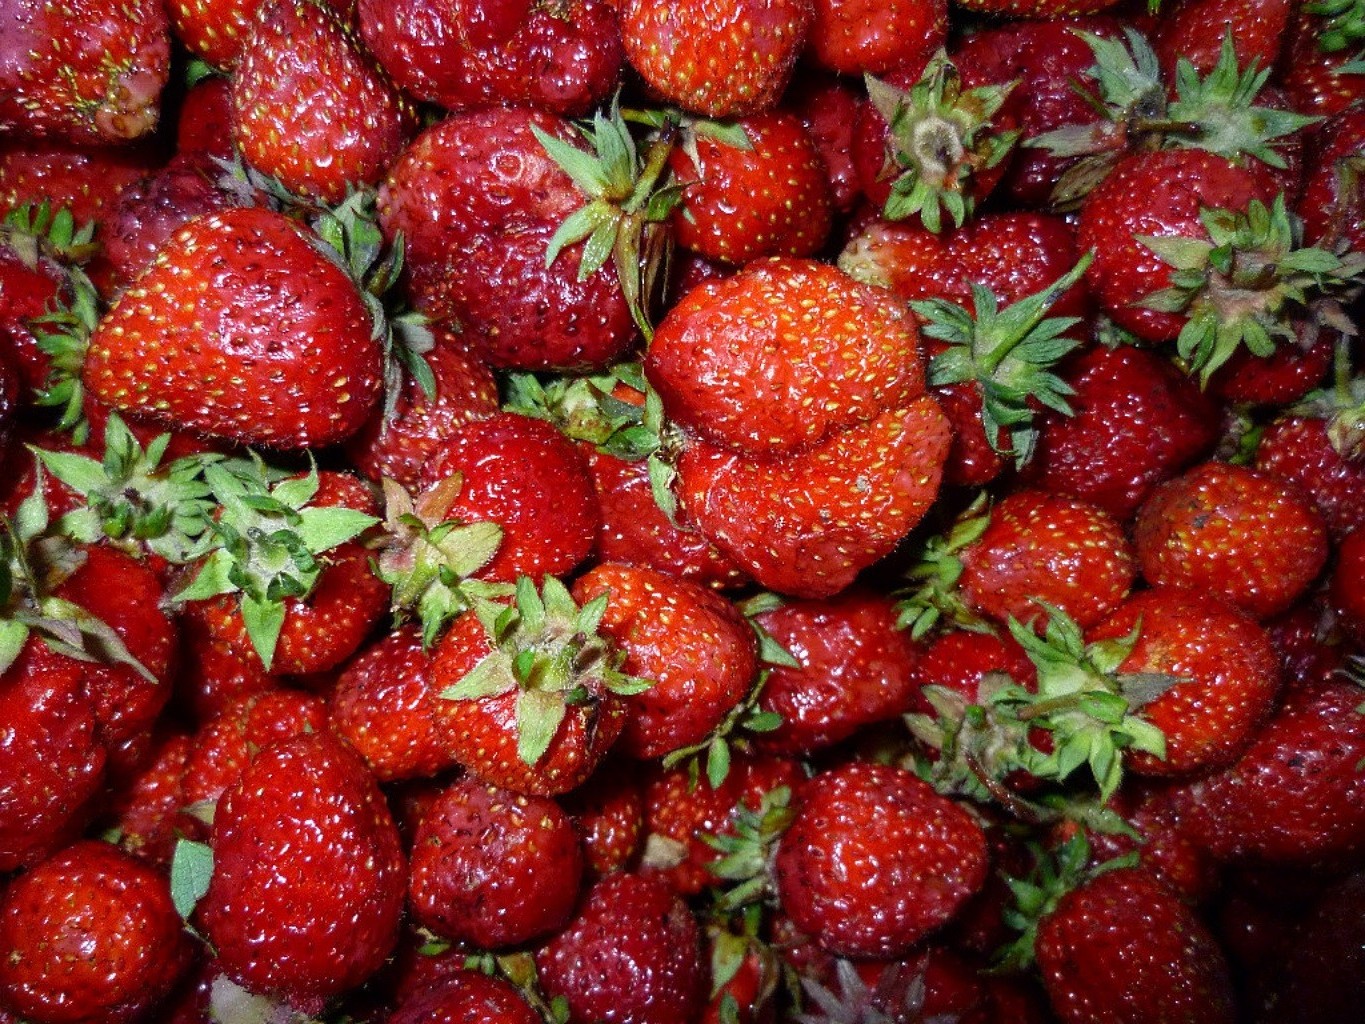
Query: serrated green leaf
{"type": "Point", "coordinates": [321, 528]}
{"type": "Point", "coordinates": [191, 874]}
{"type": "Point", "coordinates": [263, 619]}
{"type": "Point", "coordinates": [539, 714]}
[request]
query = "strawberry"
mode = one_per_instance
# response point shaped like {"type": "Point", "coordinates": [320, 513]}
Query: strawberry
{"type": "Point", "coordinates": [1162, 845]}
{"type": "Point", "coordinates": [855, 37]}
{"type": "Point", "coordinates": [533, 695]}
{"type": "Point", "coordinates": [609, 813]}
{"type": "Point", "coordinates": [875, 860]}
{"type": "Point", "coordinates": [84, 181]}
{"type": "Point", "coordinates": [307, 886]}
{"type": "Point", "coordinates": [1036, 8]}
{"type": "Point", "coordinates": [203, 131]}
{"type": "Point", "coordinates": [1232, 533]}
{"type": "Point", "coordinates": [632, 953]}
{"type": "Point", "coordinates": [1226, 667]}
{"type": "Point", "coordinates": [83, 72]}
{"type": "Point", "coordinates": [695, 646]}
{"type": "Point", "coordinates": [468, 997]}
{"type": "Point", "coordinates": [145, 809]}
{"type": "Point", "coordinates": [1192, 30]}
{"type": "Point", "coordinates": [226, 362]}
{"type": "Point", "coordinates": [212, 673]}
{"type": "Point", "coordinates": [1348, 596]}
{"type": "Point", "coordinates": [1316, 449]}
{"type": "Point", "coordinates": [564, 59]}
{"type": "Point", "coordinates": [1319, 52]}
{"type": "Point", "coordinates": [828, 107]}
{"type": "Point", "coordinates": [217, 30]}
{"type": "Point", "coordinates": [960, 659]}
{"type": "Point", "coordinates": [854, 667]}
{"type": "Point", "coordinates": [1333, 190]}
{"type": "Point", "coordinates": [309, 105]}
{"type": "Point", "coordinates": [1326, 945]}
{"type": "Point", "coordinates": [720, 58]}
{"type": "Point", "coordinates": [740, 203]}
{"type": "Point", "coordinates": [493, 867]}
{"type": "Point", "coordinates": [90, 934]}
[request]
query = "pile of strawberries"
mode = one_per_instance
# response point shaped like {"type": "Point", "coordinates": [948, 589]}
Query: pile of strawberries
{"type": "Point", "coordinates": [679, 511]}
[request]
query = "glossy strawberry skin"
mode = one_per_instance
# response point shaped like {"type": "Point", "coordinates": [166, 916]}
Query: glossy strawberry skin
{"type": "Point", "coordinates": [1122, 948]}
{"type": "Point", "coordinates": [1313, 78]}
{"type": "Point", "coordinates": [959, 659]}
{"type": "Point", "coordinates": [828, 107]}
{"type": "Point", "coordinates": [1233, 533]}
{"type": "Point", "coordinates": [876, 860]}
{"type": "Point", "coordinates": [84, 72]}
{"type": "Point", "coordinates": [307, 887]}
{"type": "Point", "coordinates": [609, 813]}
{"type": "Point", "coordinates": [145, 810]}
{"type": "Point", "coordinates": [695, 646]}
{"type": "Point", "coordinates": [807, 524]}
{"type": "Point", "coordinates": [1137, 421]}
{"type": "Point", "coordinates": [531, 480]}
{"type": "Point", "coordinates": [1227, 665]}
{"type": "Point", "coordinates": [217, 30]}
{"type": "Point", "coordinates": [1194, 30]}
{"type": "Point", "coordinates": [466, 997]}
{"type": "Point", "coordinates": [279, 354]}
{"type": "Point", "coordinates": [84, 180]}
{"type": "Point", "coordinates": [854, 37]}
{"type": "Point", "coordinates": [631, 954]}
{"type": "Point", "coordinates": [1298, 450]}
{"type": "Point", "coordinates": [90, 934]}
{"type": "Point", "coordinates": [494, 868]}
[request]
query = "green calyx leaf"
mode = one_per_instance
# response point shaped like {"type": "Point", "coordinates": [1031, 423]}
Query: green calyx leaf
{"type": "Point", "coordinates": [746, 848]}
{"type": "Point", "coordinates": [588, 408]}
{"type": "Point", "coordinates": [63, 334]}
{"type": "Point", "coordinates": [191, 873]}
{"type": "Point", "coordinates": [713, 752]}
{"type": "Point", "coordinates": [547, 650]}
{"type": "Point", "coordinates": [1010, 353]}
{"type": "Point", "coordinates": [1341, 24]}
{"type": "Point", "coordinates": [36, 231]}
{"type": "Point", "coordinates": [940, 136]}
{"type": "Point", "coordinates": [930, 593]}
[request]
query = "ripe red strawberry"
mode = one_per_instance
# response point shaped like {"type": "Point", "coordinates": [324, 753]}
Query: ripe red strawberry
{"type": "Point", "coordinates": [1317, 454]}
{"type": "Point", "coordinates": [1194, 30]}
{"type": "Point", "coordinates": [1226, 669]}
{"type": "Point", "coordinates": [720, 58]}
{"type": "Point", "coordinates": [1041, 549]}
{"type": "Point", "coordinates": [1348, 596]}
{"type": "Point", "coordinates": [958, 659]}
{"type": "Point", "coordinates": [528, 478]}
{"type": "Point", "coordinates": [212, 674]}
{"type": "Point", "coordinates": [494, 868]}
{"type": "Point", "coordinates": [855, 37]}
{"type": "Point", "coordinates": [216, 30]}
{"type": "Point", "coordinates": [876, 860]}
{"type": "Point", "coordinates": [309, 105]}
{"type": "Point", "coordinates": [145, 810]}
{"type": "Point", "coordinates": [828, 107]}
{"type": "Point", "coordinates": [1036, 8]}
{"type": "Point", "coordinates": [465, 997]}
{"type": "Point", "coordinates": [1333, 194]}
{"type": "Point", "coordinates": [633, 954]}
{"type": "Point", "coordinates": [1163, 846]}
{"type": "Point", "coordinates": [855, 668]}
{"type": "Point", "coordinates": [398, 445]}
{"type": "Point", "coordinates": [478, 200]}
{"type": "Point", "coordinates": [1282, 377]}
{"type": "Point", "coordinates": [84, 72]}
{"type": "Point", "coordinates": [90, 934]}
{"type": "Point", "coordinates": [1318, 81]}
{"type": "Point", "coordinates": [85, 181]}
{"type": "Point", "coordinates": [1123, 948]}
{"type": "Point", "coordinates": [203, 131]}
{"type": "Point", "coordinates": [742, 203]}
{"type": "Point", "coordinates": [564, 59]}
{"type": "Point", "coordinates": [695, 646]}
{"type": "Point", "coordinates": [609, 813]}
{"type": "Point", "coordinates": [280, 353]}
{"type": "Point", "coordinates": [1136, 421]}
{"type": "Point", "coordinates": [307, 886]}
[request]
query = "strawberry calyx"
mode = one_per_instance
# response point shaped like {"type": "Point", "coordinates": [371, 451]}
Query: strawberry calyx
{"type": "Point", "coordinates": [930, 594]}
{"type": "Point", "coordinates": [630, 199]}
{"type": "Point", "coordinates": [63, 334]}
{"type": "Point", "coordinates": [547, 650]}
{"type": "Point", "coordinates": [940, 136]}
{"type": "Point", "coordinates": [37, 231]}
{"type": "Point", "coordinates": [1342, 24]}
{"type": "Point", "coordinates": [34, 562]}
{"type": "Point", "coordinates": [1250, 283]}
{"type": "Point", "coordinates": [265, 544]}
{"type": "Point", "coordinates": [897, 995]}
{"type": "Point", "coordinates": [230, 1003]}
{"type": "Point", "coordinates": [1343, 408]}
{"type": "Point", "coordinates": [746, 852]}
{"type": "Point", "coordinates": [730, 949]}
{"type": "Point", "coordinates": [1010, 353]}
{"type": "Point", "coordinates": [428, 557]}
{"type": "Point", "coordinates": [131, 499]}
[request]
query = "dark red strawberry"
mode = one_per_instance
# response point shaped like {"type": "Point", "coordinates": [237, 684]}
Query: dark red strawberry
{"type": "Point", "coordinates": [465, 997]}
{"type": "Point", "coordinates": [857, 37]}
{"type": "Point", "coordinates": [633, 954]}
{"type": "Point", "coordinates": [212, 674]}
{"type": "Point", "coordinates": [1318, 455]}
{"type": "Point", "coordinates": [960, 658]}
{"type": "Point", "coordinates": [204, 129]}
{"type": "Point", "coordinates": [1321, 978]}
{"type": "Point", "coordinates": [876, 860]}
{"type": "Point", "coordinates": [310, 107]}
{"type": "Point", "coordinates": [90, 934]}
{"type": "Point", "coordinates": [609, 813]}
{"type": "Point", "coordinates": [695, 646]}
{"type": "Point", "coordinates": [1348, 596]}
{"type": "Point", "coordinates": [1194, 30]}
{"type": "Point", "coordinates": [855, 668]}
{"type": "Point", "coordinates": [828, 107]}
{"type": "Point", "coordinates": [84, 72]}
{"type": "Point", "coordinates": [721, 59]}
{"type": "Point", "coordinates": [1163, 847]}
{"type": "Point", "coordinates": [308, 876]}
{"type": "Point", "coordinates": [1314, 64]}
{"type": "Point", "coordinates": [494, 868]}
{"type": "Point", "coordinates": [145, 810]}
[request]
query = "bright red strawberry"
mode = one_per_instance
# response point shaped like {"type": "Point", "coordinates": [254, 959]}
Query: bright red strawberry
{"type": "Point", "coordinates": [494, 868]}
{"type": "Point", "coordinates": [1123, 948]}
{"type": "Point", "coordinates": [720, 58]}
{"type": "Point", "coordinates": [309, 105]}
{"type": "Point", "coordinates": [742, 203]}
{"type": "Point", "coordinates": [1041, 549]}
{"type": "Point", "coordinates": [280, 353]}
{"type": "Point", "coordinates": [633, 954]}
{"type": "Point", "coordinates": [1233, 533]}
{"type": "Point", "coordinates": [216, 30]}
{"type": "Point", "coordinates": [695, 646]}
{"type": "Point", "coordinates": [1194, 30]}
{"type": "Point", "coordinates": [85, 72]}
{"type": "Point", "coordinates": [1226, 670]}
{"type": "Point", "coordinates": [876, 860]}
{"type": "Point", "coordinates": [478, 200]}
{"type": "Point", "coordinates": [146, 809]}
{"type": "Point", "coordinates": [564, 58]}
{"type": "Point", "coordinates": [89, 935]}
{"type": "Point", "coordinates": [855, 668]}
{"type": "Point", "coordinates": [1036, 8]}
{"type": "Point", "coordinates": [960, 658]}
{"type": "Point", "coordinates": [307, 886]}
{"type": "Point", "coordinates": [212, 674]}
{"type": "Point", "coordinates": [609, 813]}
{"type": "Point", "coordinates": [855, 37]}
{"type": "Point", "coordinates": [466, 997]}
{"type": "Point", "coordinates": [1316, 454]}
{"type": "Point", "coordinates": [1136, 421]}
{"type": "Point", "coordinates": [85, 181]}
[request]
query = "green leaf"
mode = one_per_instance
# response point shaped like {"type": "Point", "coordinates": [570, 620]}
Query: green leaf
{"type": "Point", "coordinates": [539, 714]}
{"type": "Point", "coordinates": [79, 472]}
{"type": "Point", "coordinates": [13, 635]}
{"type": "Point", "coordinates": [191, 873]}
{"type": "Point", "coordinates": [263, 619]}
{"type": "Point", "coordinates": [583, 167]}
{"type": "Point", "coordinates": [324, 527]}
{"type": "Point", "coordinates": [213, 579]}
{"type": "Point", "coordinates": [489, 678]}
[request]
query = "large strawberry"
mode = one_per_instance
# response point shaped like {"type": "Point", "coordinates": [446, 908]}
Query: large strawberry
{"type": "Point", "coordinates": [857, 37]}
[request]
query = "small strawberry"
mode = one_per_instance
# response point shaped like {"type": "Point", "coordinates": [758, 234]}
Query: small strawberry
{"type": "Point", "coordinates": [875, 860]}
{"type": "Point", "coordinates": [204, 129]}
{"type": "Point", "coordinates": [494, 868]}
{"type": "Point", "coordinates": [828, 107]}
{"type": "Point", "coordinates": [1192, 30]}
{"type": "Point", "coordinates": [633, 953]}
{"type": "Point", "coordinates": [1318, 449]}
{"type": "Point", "coordinates": [855, 37]}
{"type": "Point", "coordinates": [146, 808]}
{"type": "Point", "coordinates": [609, 813]}
{"type": "Point", "coordinates": [469, 997]}
{"type": "Point", "coordinates": [90, 934]}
